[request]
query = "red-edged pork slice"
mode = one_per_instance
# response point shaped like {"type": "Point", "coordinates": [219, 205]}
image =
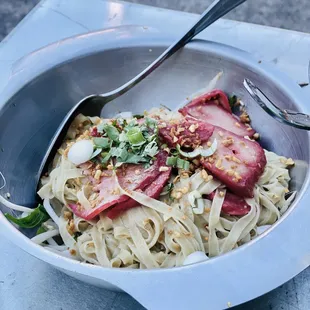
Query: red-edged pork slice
{"type": "Point", "coordinates": [237, 162]}
{"type": "Point", "coordinates": [153, 191]}
{"type": "Point", "coordinates": [233, 205]}
{"type": "Point", "coordinates": [187, 132]}
{"type": "Point", "coordinates": [215, 96]}
{"type": "Point", "coordinates": [130, 176]}
{"type": "Point", "coordinates": [209, 109]}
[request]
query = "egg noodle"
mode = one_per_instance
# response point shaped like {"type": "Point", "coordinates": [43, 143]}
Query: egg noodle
{"type": "Point", "coordinates": [162, 232]}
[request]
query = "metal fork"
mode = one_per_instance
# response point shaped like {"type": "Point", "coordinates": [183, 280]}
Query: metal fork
{"type": "Point", "coordinates": [289, 117]}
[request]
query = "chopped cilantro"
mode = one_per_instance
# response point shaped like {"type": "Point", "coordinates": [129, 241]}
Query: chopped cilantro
{"type": "Point", "coordinates": [111, 132]}
{"type": "Point", "coordinates": [138, 116]}
{"type": "Point", "coordinates": [232, 100]}
{"type": "Point", "coordinates": [103, 143]}
{"type": "Point", "coordinates": [128, 142]}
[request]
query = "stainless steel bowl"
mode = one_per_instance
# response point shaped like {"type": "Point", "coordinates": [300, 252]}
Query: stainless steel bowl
{"type": "Point", "coordinates": [46, 84]}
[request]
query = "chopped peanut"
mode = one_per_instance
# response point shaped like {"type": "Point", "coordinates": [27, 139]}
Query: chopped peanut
{"type": "Point", "coordinates": [97, 174]}
{"type": "Point", "coordinates": [228, 142]}
{"type": "Point", "coordinates": [71, 227]}
{"type": "Point", "coordinates": [256, 136]}
{"type": "Point", "coordinates": [244, 117]}
{"type": "Point", "coordinates": [230, 172]}
{"type": "Point", "coordinates": [204, 174]}
{"type": "Point", "coordinates": [290, 162]}
{"type": "Point", "coordinates": [68, 215]}
{"type": "Point", "coordinates": [218, 163]}
{"type": "Point", "coordinates": [236, 160]}
{"type": "Point", "coordinates": [73, 252]}
{"type": "Point", "coordinates": [210, 177]}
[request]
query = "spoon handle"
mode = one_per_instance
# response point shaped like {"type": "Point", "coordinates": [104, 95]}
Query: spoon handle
{"type": "Point", "coordinates": [215, 11]}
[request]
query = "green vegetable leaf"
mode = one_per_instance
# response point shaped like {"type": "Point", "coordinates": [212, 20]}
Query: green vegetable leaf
{"type": "Point", "coordinates": [232, 100]}
{"type": "Point", "coordinates": [111, 132]}
{"type": "Point", "coordinates": [182, 164]}
{"type": "Point", "coordinates": [34, 219]}
{"type": "Point", "coordinates": [151, 149]}
{"type": "Point", "coordinates": [151, 123]}
{"type": "Point", "coordinates": [167, 189]}
{"type": "Point", "coordinates": [138, 116]}
{"type": "Point", "coordinates": [135, 159]}
{"type": "Point", "coordinates": [106, 158]}
{"type": "Point", "coordinates": [41, 230]}
{"type": "Point", "coordinates": [103, 143]}
{"type": "Point", "coordinates": [123, 137]}
{"type": "Point", "coordinates": [171, 161]}
{"type": "Point", "coordinates": [135, 136]}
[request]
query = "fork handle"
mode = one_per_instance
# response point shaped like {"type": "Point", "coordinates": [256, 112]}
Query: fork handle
{"type": "Point", "coordinates": [215, 11]}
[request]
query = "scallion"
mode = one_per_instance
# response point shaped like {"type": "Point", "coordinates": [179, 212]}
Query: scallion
{"type": "Point", "coordinates": [171, 161]}
{"type": "Point", "coordinates": [34, 219]}
{"type": "Point", "coordinates": [135, 136]}
{"type": "Point", "coordinates": [182, 164]}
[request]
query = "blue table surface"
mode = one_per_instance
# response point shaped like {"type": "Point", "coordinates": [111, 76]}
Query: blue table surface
{"type": "Point", "coordinates": [26, 282]}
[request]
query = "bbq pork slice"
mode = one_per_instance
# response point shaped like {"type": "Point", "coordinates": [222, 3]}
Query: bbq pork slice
{"type": "Point", "coordinates": [212, 108]}
{"type": "Point", "coordinates": [153, 191]}
{"type": "Point", "coordinates": [187, 132]}
{"type": "Point", "coordinates": [237, 162]}
{"type": "Point", "coordinates": [233, 205]}
{"type": "Point", "coordinates": [129, 176]}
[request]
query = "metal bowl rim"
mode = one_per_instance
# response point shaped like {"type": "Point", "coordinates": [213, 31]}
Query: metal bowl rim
{"type": "Point", "coordinates": [22, 72]}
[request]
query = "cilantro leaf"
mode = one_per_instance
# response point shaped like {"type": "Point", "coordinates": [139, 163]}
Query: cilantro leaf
{"type": "Point", "coordinates": [232, 100]}
{"type": "Point", "coordinates": [151, 149]}
{"type": "Point", "coordinates": [111, 132]}
{"type": "Point", "coordinates": [103, 143]}
{"type": "Point", "coordinates": [135, 159]}
{"type": "Point", "coordinates": [106, 158]}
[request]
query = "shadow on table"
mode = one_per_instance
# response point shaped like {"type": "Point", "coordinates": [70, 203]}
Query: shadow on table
{"type": "Point", "coordinates": [293, 295]}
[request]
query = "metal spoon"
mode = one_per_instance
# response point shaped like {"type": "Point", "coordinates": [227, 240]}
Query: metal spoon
{"type": "Point", "coordinates": [93, 104]}
{"type": "Point", "coordinates": [289, 117]}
